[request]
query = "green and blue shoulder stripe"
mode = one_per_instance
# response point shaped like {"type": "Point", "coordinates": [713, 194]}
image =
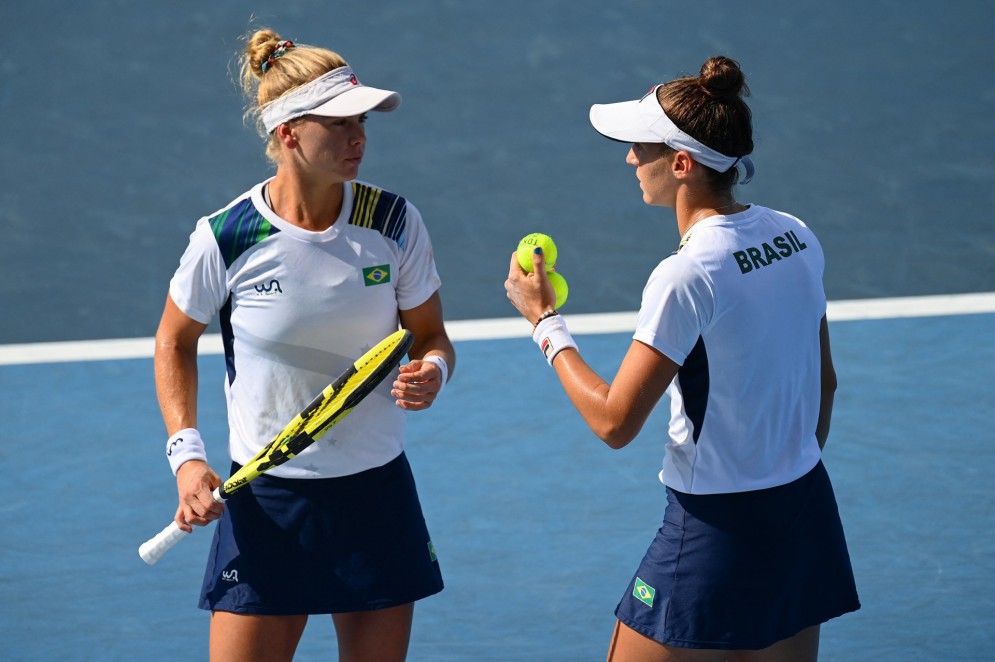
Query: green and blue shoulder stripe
{"type": "Point", "coordinates": [239, 228]}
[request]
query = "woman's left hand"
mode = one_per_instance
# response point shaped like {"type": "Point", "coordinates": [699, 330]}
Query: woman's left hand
{"type": "Point", "coordinates": [418, 385]}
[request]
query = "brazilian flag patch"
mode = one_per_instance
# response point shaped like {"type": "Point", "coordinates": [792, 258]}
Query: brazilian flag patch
{"type": "Point", "coordinates": [431, 552]}
{"type": "Point", "coordinates": [377, 275]}
{"type": "Point", "coordinates": [643, 592]}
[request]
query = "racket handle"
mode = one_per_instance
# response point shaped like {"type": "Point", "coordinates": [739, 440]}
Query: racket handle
{"type": "Point", "coordinates": [152, 549]}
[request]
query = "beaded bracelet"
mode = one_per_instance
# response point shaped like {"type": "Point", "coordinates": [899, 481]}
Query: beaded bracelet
{"type": "Point", "coordinates": [546, 315]}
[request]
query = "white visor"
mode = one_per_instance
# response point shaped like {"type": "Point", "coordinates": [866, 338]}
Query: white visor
{"type": "Point", "coordinates": [644, 121]}
{"type": "Point", "coordinates": [335, 94]}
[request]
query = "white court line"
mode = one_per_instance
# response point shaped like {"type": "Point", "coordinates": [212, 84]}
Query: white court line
{"type": "Point", "coordinates": [507, 327]}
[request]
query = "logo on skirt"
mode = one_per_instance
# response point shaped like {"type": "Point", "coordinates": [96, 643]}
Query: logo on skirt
{"type": "Point", "coordinates": [643, 592]}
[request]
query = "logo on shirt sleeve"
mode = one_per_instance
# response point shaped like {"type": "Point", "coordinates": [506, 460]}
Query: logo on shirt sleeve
{"type": "Point", "coordinates": [377, 275]}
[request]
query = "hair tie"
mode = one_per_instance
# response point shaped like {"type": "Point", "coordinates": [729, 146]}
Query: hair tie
{"type": "Point", "coordinates": [280, 51]}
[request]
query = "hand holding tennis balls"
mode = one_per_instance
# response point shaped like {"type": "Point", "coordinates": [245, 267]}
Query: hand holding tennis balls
{"type": "Point", "coordinates": [526, 248]}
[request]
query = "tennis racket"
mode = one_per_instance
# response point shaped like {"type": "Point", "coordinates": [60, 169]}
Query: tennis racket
{"type": "Point", "coordinates": [330, 407]}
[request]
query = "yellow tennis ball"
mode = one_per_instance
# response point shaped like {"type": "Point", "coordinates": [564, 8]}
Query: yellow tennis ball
{"type": "Point", "coordinates": [528, 245]}
{"type": "Point", "coordinates": [559, 287]}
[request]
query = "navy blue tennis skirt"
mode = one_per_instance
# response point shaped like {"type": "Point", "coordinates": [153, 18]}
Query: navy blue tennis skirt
{"type": "Point", "coordinates": [743, 571]}
{"type": "Point", "coordinates": [322, 546]}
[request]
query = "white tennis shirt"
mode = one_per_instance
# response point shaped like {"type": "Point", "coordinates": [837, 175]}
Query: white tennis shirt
{"type": "Point", "coordinates": [297, 307]}
{"type": "Point", "coordinates": [739, 307]}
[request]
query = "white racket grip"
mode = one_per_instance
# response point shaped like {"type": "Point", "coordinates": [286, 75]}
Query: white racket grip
{"type": "Point", "coordinates": [152, 549]}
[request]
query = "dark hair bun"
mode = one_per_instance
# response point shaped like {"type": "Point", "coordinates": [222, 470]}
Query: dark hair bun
{"type": "Point", "coordinates": [722, 79]}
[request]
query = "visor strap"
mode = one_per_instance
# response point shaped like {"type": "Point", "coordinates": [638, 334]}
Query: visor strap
{"type": "Point", "coordinates": [675, 137]}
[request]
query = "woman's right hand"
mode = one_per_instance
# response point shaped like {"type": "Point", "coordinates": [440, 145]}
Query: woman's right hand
{"type": "Point", "coordinates": [195, 483]}
{"type": "Point", "coordinates": [531, 293]}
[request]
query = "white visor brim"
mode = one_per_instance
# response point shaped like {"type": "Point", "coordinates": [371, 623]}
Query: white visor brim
{"type": "Point", "coordinates": [337, 93]}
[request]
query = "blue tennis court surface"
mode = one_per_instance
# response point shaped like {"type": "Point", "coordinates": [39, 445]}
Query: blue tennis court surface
{"type": "Point", "coordinates": [538, 525]}
{"type": "Point", "coordinates": [873, 124]}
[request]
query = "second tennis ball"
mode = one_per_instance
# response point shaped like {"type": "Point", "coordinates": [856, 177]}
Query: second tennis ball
{"type": "Point", "coordinates": [528, 245]}
{"type": "Point", "coordinates": [559, 284]}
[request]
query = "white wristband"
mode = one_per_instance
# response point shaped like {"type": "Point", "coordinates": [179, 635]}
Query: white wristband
{"type": "Point", "coordinates": [552, 336]}
{"type": "Point", "coordinates": [183, 446]}
{"type": "Point", "coordinates": [443, 366]}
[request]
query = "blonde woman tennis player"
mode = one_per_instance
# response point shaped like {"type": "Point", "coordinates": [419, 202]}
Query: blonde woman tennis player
{"type": "Point", "coordinates": [306, 271]}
